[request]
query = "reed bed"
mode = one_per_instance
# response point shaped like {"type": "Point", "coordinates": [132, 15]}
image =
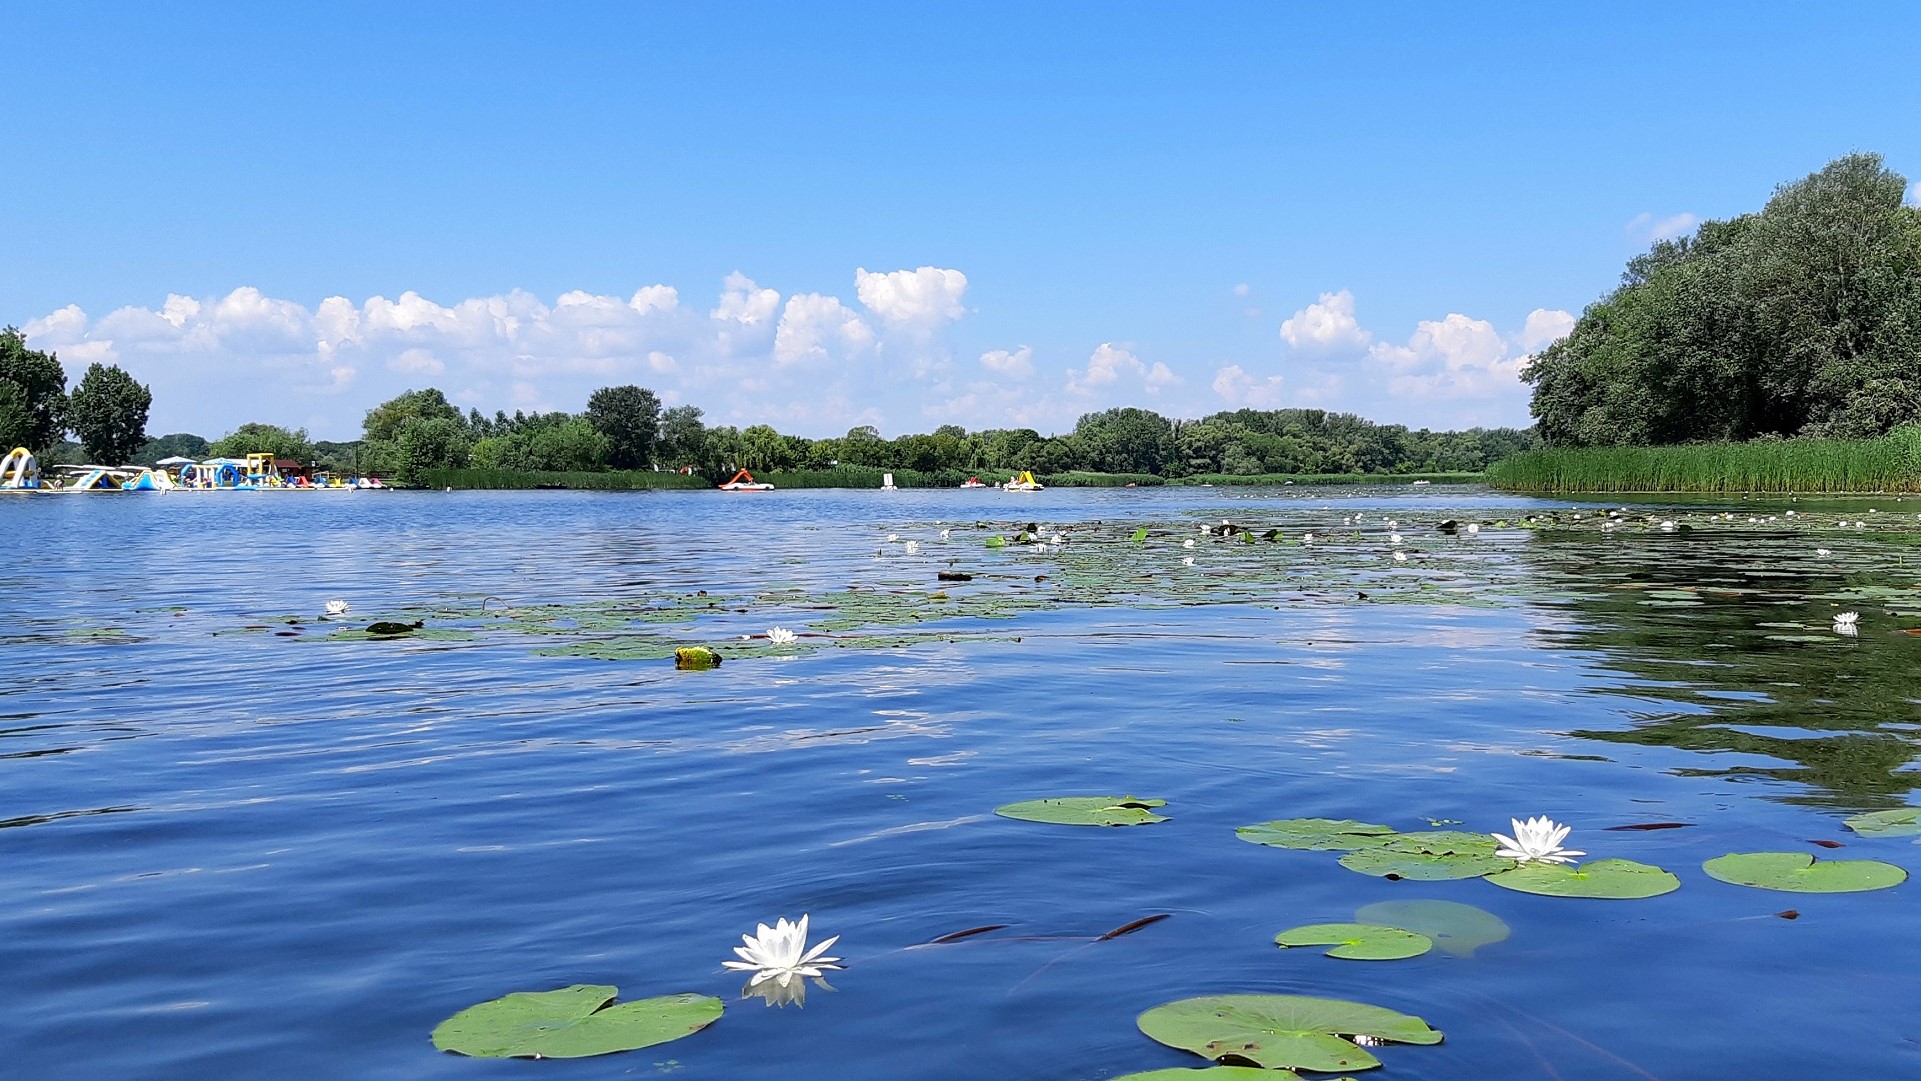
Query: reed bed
{"type": "Point", "coordinates": [1078, 479]}
{"type": "Point", "coordinates": [1889, 464]}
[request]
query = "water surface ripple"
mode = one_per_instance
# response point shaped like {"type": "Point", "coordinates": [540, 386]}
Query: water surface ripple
{"type": "Point", "coordinates": [237, 850]}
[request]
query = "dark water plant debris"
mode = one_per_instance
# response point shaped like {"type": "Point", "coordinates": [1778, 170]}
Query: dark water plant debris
{"type": "Point", "coordinates": [1086, 811]}
{"type": "Point", "coordinates": [1801, 872]}
{"type": "Point", "coordinates": [573, 1022]}
{"type": "Point", "coordinates": [1282, 1031]}
{"type": "Point", "coordinates": [1357, 941]}
{"type": "Point", "coordinates": [1611, 880]}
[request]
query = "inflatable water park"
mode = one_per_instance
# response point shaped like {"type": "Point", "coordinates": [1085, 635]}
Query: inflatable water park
{"type": "Point", "coordinates": [21, 474]}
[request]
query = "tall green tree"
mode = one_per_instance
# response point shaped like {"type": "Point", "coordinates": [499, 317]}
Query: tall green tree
{"type": "Point", "coordinates": [1803, 318]}
{"type": "Point", "coordinates": [384, 421]}
{"type": "Point", "coordinates": [33, 395]}
{"type": "Point", "coordinates": [683, 438]}
{"type": "Point", "coordinates": [629, 417]}
{"type": "Point", "coordinates": [255, 437]}
{"type": "Point", "coordinates": [424, 443]}
{"type": "Point", "coordinates": [108, 411]}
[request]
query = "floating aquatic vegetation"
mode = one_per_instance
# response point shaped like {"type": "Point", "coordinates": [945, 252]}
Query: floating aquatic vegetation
{"type": "Point", "coordinates": [1314, 834]}
{"type": "Point", "coordinates": [696, 658]}
{"type": "Point", "coordinates": [1282, 1031]}
{"type": "Point", "coordinates": [573, 1022]}
{"type": "Point", "coordinates": [1800, 872]}
{"type": "Point", "coordinates": [1358, 941]}
{"type": "Point", "coordinates": [1431, 856]}
{"type": "Point", "coordinates": [388, 628]}
{"type": "Point", "coordinates": [409, 632]}
{"type": "Point", "coordinates": [1612, 880]}
{"type": "Point", "coordinates": [1453, 927]}
{"type": "Point", "coordinates": [1086, 811]}
{"type": "Point", "coordinates": [1899, 822]}
{"type": "Point", "coordinates": [1536, 839]}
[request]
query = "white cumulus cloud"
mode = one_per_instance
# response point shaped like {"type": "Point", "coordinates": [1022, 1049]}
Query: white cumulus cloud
{"type": "Point", "coordinates": [745, 302]}
{"type": "Point", "coordinates": [816, 327]}
{"type": "Point", "coordinates": [1325, 326]}
{"type": "Point", "coordinates": [926, 296]}
{"type": "Point", "coordinates": [1234, 384]}
{"type": "Point", "coordinates": [1019, 363]}
{"type": "Point", "coordinates": [1544, 327]}
{"type": "Point", "coordinates": [1109, 362]}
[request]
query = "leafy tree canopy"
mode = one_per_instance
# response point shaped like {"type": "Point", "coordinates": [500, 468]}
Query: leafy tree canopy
{"type": "Point", "coordinates": [33, 395]}
{"type": "Point", "coordinates": [1803, 318]}
{"type": "Point", "coordinates": [629, 417]}
{"type": "Point", "coordinates": [257, 438]}
{"type": "Point", "coordinates": [108, 411]}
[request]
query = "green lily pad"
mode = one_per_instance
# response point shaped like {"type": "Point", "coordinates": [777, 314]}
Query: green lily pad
{"type": "Point", "coordinates": [1899, 822]}
{"type": "Point", "coordinates": [1430, 856]}
{"type": "Point", "coordinates": [1358, 941]}
{"type": "Point", "coordinates": [1216, 1073]}
{"type": "Point", "coordinates": [1800, 872]}
{"type": "Point", "coordinates": [1455, 928]}
{"type": "Point", "coordinates": [1314, 834]}
{"type": "Point", "coordinates": [1086, 811]}
{"type": "Point", "coordinates": [573, 1022]}
{"type": "Point", "coordinates": [1281, 1031]}
{"type": "Point", "coordinates": [1614, 880]}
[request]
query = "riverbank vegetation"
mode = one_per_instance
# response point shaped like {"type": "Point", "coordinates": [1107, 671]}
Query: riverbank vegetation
{"type": "Point", "coordinates": [1891, 463]}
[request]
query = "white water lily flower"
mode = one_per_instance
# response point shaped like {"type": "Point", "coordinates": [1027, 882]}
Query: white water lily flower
{"type": "Point", "coordinates": [912, 547]}
{"type": "Point", "coordinates": [1667, 527]}
{"type": "Point", "coordinates": [1824, 551]}
{"type": "Point", "coordinates": [1473, 528]}
{"type": "Point", "coordinates": [1400, 556]}
{"type": "Point", "coordinates": [892, 537]}
{"type": "Point", "coordinates": [1394, 538]}
{"type": "Point", "coordinates": [1790, 514]}
{"type": "Point", "coordinates": [1536, 839]}
{"type": "Point", "coordinates": [946, 533]}
{"type": "Point", "coordinates": [1307, 538]}
{"type": "Point", "coordinates": [1188, 543]}
{"type": "Point", "coordinates": [1847, 623]}
{"type": "Point", "coordinates": [1187, 561]}
{"type": "Point", "coordinates": [780, 636]}
{"type": "Point", "coordinates": [780, 953]}
{"type": "Point", "coordinates": [336, 608]}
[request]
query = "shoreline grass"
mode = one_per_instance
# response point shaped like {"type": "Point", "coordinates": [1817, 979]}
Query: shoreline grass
{"type": "Point", "coordinates": [1891, 463]}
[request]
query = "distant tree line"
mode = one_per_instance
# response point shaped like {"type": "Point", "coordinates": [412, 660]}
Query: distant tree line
{"type": "Point", "coordinates": [626, 428]}
{"type": "Point", "coordinates": [1803, 318]}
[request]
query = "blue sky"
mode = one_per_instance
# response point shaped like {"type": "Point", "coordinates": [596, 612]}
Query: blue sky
{"type": "Point", "coordinates": [985, 214]}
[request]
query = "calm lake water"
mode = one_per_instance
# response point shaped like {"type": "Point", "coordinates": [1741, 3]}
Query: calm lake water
{"type": "Point", "coordinates": [240, 844]}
